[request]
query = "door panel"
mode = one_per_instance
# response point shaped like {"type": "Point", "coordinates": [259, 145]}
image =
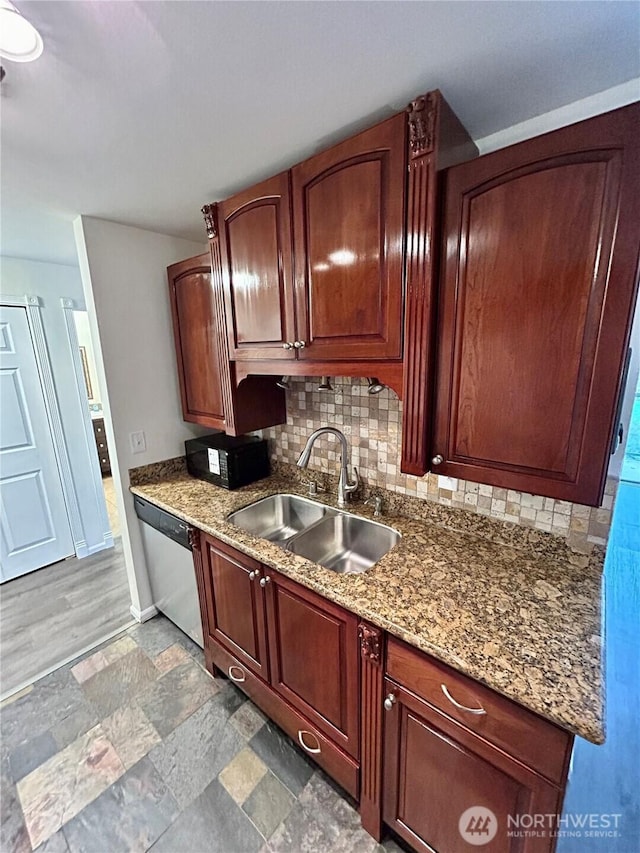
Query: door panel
{"type": "Point", "coordinates": [313, 648]}
{"type": "Point", "coordinates": [536, 298]}
{"type": "Point", "coordinates": [33, 516]}
{"type": "Point", "coordinates": [348, 207]}
{"type": "Point", "coordinates": [235, 604]}
{"type": "Point", "coordinates": [255, 231]}
{"type": "Point", "coordinates": [194, 329]}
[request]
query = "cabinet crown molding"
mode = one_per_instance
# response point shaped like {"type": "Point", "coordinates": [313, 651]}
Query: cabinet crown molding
{"type": "Point", "coordinates": [210, 214]}
{"type": "Point", "coordinates": [422, 122]}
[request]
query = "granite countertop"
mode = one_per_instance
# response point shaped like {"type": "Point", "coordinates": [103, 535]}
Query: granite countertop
{"type": "Point", "coordinates": [524, 618]}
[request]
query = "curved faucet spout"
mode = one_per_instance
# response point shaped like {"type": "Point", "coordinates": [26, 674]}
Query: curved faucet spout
{"type": "Point", "coordinates": [345, 487]}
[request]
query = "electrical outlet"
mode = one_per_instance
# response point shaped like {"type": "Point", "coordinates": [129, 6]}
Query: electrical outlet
{"type": "Point", "coordinates": [137, 441]}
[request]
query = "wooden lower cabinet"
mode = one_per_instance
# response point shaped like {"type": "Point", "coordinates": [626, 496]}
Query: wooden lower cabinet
{"type": "Point", "coordinates": [417, 743]}
{"type": "Point", "coordinates": [434, 771]}
{"type": "Point", "coordinates": [313, 647]}
{"type": "Point", "coordinates": [235, 605]}
{"type": "Point", "coordinates": [291, 650]}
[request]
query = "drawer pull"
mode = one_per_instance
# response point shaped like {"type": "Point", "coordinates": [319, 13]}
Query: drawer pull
{"type": "Point", "coordinates": [312, 750]}
{"type": "Point", "coordinates": [253, 575]}
{"type": "Point", "coordinates": [458, 705]}
{"type": "Point", "coordinates": [238, 679]}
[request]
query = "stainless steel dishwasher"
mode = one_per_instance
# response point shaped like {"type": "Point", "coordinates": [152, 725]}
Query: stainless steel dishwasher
{"type": "Point", "coordinates": [170, 562]}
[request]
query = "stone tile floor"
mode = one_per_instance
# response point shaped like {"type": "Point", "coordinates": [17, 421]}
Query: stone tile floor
{"type": "Point", "coordinates": [136, 747]}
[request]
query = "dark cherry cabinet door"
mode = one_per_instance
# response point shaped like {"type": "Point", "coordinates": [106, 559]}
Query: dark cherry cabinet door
{"type": "Point", "coordinates": [348, 209]}
{"type": "Point", "coordinates": [235, 604]}
{"type": "Point", "coordinates": [255, 243]}
{"type": "Point", "coordinates": [194, 329]}
{"type": "Point", "coordinates": [540, 274]}
{"type": "Point", "coordinates": [434, 772]}
{"type": "Point", "coordinates": [313, 647]}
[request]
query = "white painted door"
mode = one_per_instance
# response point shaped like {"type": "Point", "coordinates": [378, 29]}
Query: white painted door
{"type": "Point", "coordinates": [34, 526]}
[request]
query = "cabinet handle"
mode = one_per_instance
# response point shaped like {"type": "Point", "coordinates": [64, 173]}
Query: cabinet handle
{"type": "Point", "coordinates": [253, 575]}
{"type": "Point", "coordinates": [313, 750]}
{"type": "Point", "coordinates": [478, 711]}
{"type": "Point", "coordinates": [264, 581]}
{"type": "Point", "coordinates": [437, 459]}
{"type": "Point", "coordinates": [389, 702]}
{"type": "Point", "coordinates": [287, 345]}
{"type": "Point", "coordinates": [238, 679]}
{"type": "Point", "coordinates": [299, 344]}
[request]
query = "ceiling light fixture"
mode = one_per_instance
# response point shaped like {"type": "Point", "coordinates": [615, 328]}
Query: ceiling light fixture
{"type": "Point", "coordinates": [19, 40]}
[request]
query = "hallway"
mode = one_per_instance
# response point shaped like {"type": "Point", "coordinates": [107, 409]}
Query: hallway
{"type": "Point", "coordinates": [52, 615]}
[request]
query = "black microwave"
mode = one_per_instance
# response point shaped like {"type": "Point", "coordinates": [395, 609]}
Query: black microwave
{"type": "Point", "coordinates": [227, 461]}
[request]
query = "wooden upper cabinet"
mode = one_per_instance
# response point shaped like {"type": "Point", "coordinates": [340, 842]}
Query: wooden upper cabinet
{"type": "Point", "coordinates": [255, 244]}
{"type": "Point", "coordinates": [348, 214]}
{"type": "Point", "coordinates": [537, 294]}
{"type": "Point", "coordinates": [194, 328]}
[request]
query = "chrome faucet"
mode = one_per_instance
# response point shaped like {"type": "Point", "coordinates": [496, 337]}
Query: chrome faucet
{"type": "Point", "coordinates": [344, 486]}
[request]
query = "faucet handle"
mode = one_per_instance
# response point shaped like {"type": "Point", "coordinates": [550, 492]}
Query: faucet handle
{"type": "Point", "coordinates": [351, 487]}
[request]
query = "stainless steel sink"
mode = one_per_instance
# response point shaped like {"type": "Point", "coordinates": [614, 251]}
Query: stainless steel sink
{"type": "Point", "coordinates": [279, 517]}
{"type": "Point", "coordinates": [335, 539]}
{"type": "Point", "coordinates": [345, 543]}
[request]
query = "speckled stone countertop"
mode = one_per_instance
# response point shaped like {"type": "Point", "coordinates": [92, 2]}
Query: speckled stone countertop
{"type": "Point", "coordinates": [524, 618]}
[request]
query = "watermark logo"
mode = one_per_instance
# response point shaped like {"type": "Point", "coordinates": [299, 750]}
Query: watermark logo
{"type": "Point", "coordinates": [478, 826]}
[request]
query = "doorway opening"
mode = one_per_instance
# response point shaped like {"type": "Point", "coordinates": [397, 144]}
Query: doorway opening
{"type": "Point", "coordinates": [94, 402]}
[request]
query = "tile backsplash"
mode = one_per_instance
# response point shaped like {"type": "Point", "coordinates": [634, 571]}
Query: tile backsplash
{"type": "Point", "coordinates": [372, 425]}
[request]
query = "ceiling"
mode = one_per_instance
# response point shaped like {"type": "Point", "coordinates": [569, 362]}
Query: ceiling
{"type": "Point", "coordinates": [140, 112]}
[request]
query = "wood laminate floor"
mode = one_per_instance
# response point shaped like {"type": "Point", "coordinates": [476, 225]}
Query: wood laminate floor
{"type": "Point", "coordinates": [54, 614]}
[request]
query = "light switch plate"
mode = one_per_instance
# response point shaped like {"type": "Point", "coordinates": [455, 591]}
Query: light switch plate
{"type": "Point", "coordinates": [137, 442]}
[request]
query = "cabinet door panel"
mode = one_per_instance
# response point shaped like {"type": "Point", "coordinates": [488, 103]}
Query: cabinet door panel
{"type": "Point", "coordinates": [195, 340]}
{"type": "Point", "coordinates": [348, 235]}
{"type": "Point", "coordinates": [235, 605]}
{"type": "Point", "coordinates": [432, 777]}
{"type": "Point", "coordinates": [313, 647]}
{"type": "Point", "coordinates": [536, 277]}
{"type": "Point", "coordinates": [257, 271]}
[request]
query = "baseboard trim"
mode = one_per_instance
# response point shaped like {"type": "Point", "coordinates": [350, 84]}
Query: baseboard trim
{"type": "Point", "coordinates": [143, 615]}
{"type": "Point", "coordinates": [107, 542]}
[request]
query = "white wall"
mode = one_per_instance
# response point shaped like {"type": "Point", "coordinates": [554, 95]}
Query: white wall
{"type": "Point", "coordinates": [602, 102]}
{"type": "Point", "coordinates": [52, 282]}
{"type": "Point", "coordinates": [124, 275]}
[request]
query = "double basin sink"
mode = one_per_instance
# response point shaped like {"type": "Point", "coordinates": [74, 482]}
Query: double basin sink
{"type": "Point", "coordinates": [335, 539]}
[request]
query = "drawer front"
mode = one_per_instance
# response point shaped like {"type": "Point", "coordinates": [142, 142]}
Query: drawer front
{"type": "Point", "coordinates": [341, 767]}
{"type": "Point", "coordinates": [522, 734]}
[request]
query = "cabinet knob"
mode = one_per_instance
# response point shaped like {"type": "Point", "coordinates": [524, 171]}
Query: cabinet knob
{"type": "Point", "coordinates": [264, 581]}
{"type": "Point", "coordinates": [389, 702]}
{"type": "Point", "coordinates": [287, 345]}
{"type": "Point", "coordinates": [437, 459]}
{"type": "Point", "coordinates": [253, 575]}
{"type": "Point", "coordinates": [299, 344]}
